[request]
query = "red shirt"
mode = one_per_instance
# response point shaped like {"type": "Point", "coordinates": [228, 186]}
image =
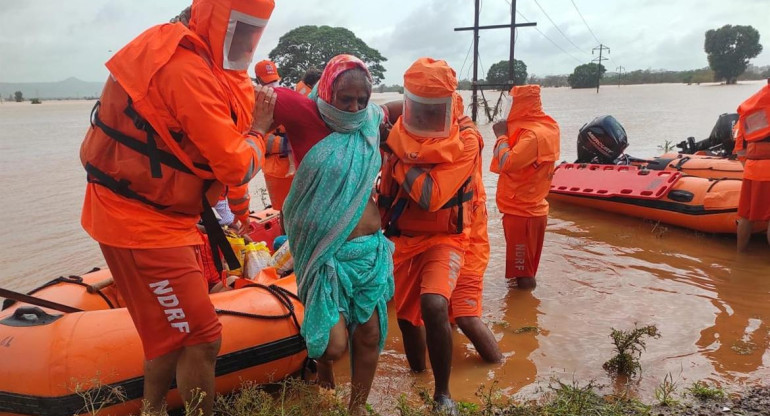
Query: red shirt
{"type": "Point", "coordinates": [300, 117]}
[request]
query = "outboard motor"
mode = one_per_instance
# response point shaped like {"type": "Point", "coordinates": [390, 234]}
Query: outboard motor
{"type": "Point", "coordinates": [722, 133]}
{"type": "Point", "coordinates": [602, 141]}
{"type": "Point", "coordinates": [720, 141]}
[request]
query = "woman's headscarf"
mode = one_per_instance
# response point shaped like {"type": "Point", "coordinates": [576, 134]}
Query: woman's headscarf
{"type": "Point", "coordinates": [323, 93]}
{"type": "Point", "coordinates": [333, 70]}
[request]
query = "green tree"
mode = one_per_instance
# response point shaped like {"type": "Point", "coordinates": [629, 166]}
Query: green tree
{"type": "Point", "coordinates": [498, 73]}
{"type": "Point", "coordinates": [313, 46]}
{"type": "Point", "coordinates": [584, 75]}
{"type": "Point", "coordinates": [729, 49]}
{"type": "Point", "coordinates": [18, 96]}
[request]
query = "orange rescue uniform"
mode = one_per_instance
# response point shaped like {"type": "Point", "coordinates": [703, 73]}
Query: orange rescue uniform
{"type": "Point", "coordinates": [429, 175]}
{"type": "Point", "coordinates": [303, 88]}
{"type": "Point", "coordinates": [525, 159]}
{"type": "Point", "coordinates": [171, 127]}
{"type": "Point", "coordinates": [754, 203]}
{"type": "Point", "coordinates": [466, 300]}
{"type": "Point", "coordinates": [279, 167]}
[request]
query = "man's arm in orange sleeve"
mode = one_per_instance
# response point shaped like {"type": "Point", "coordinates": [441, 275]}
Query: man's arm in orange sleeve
{"type": "Point", "coordinates": [275, 144]}
{"type": "Point", "coordinates": [199, 104]}
{"type": "Point", "coordinates": [239, 201]}
{"type": "Point", "coordinates": [509, 159]}
{"type": "Point", "coordinates": [432, 186]}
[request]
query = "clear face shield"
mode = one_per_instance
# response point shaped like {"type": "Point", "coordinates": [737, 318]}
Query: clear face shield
{"type": "Point", "coordinates": [243, 33]}
{"type": "Point", "coordinates": [427, 117]}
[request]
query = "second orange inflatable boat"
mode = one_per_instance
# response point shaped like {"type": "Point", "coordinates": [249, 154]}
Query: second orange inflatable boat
{"type": "Point", "coordinates": [703, 204]}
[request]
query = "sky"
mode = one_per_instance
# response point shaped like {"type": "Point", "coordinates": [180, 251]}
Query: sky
{"type": "Point", "coordinates": [51, 40]}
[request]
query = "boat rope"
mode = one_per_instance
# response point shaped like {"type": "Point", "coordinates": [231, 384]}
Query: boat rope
{"type": "Point", "coordinates": [282, 295]}
{"type": "Point", "coordinates": [71, 279]}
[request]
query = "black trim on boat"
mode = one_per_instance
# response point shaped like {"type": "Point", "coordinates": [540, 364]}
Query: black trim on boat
{"type": "Point", "coordinates": [133, 388]}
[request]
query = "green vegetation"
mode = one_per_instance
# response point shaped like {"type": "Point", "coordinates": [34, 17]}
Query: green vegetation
{"type": "Point", "coordinates": [18, 96]}
{"type": "Point", "coordinates": [586, 76]}
{"type": "Point", "coordinates": [389, 88]}
{"type": "Point", "coordinates": [498, 73]}
{"type": "Point", "coordinates": [702, 391]}
{"type": "Point", "coordinates": [629, 346]}
{"type": "Point", "coordinates": [729, 49]}
{"type": "Point", "coordinates": [35, 101]}
{"type": "Point", "coordinates": [313, 46]}
{"type": "Point", "coordinates": [664, 393]}
{"type": "Point", "coordinates": [293, 397]}
{"type": "Point", "coordinates": [667, 146]}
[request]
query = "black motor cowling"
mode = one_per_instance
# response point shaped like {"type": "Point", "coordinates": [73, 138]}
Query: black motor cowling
{"type": "Point", "coordinates": [602, 141]}
{"type": "Point", "coordinates": [720, 140]}
{"type": "Point", "coordinates": [722, 133]}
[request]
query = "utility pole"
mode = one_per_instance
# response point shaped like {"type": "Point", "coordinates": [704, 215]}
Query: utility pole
{"type": "Point", "coordinates": [601, 48]}
{"type": "Point", "coordinates": [475, 87]}
{"type": "Point", "coordinates": [620, 70]}
{"type": "Point", "coordinates": [511, 61]}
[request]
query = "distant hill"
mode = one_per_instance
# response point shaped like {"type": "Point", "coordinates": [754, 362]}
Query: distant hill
{"type": "Point", "coordinates": [69, 88]}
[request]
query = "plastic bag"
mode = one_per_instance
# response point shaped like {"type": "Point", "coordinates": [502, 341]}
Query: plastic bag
{"type": "Point", "coordinates": [282, 260]}
{"type": "Point", "coordinates": [239, 246]}
{"type": "Point", "coordinates": [256, 258]}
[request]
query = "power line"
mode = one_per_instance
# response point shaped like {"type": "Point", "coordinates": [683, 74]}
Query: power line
{"type": "Point", "coordinates": [557, 27]}
{"type": "Point", "coordinates": [584, 21]}
{"type": "Point", "coordinates": [549, 39]}
{"type": "Point", "coordinates": [466, 58]}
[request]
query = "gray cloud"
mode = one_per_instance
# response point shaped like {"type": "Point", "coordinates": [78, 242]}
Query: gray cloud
{"type": "Point", "coordinates": [49, 40]}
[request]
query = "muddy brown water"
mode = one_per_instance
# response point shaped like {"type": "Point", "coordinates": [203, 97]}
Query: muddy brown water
{"type": "Point", "coordinates": [598, 271]}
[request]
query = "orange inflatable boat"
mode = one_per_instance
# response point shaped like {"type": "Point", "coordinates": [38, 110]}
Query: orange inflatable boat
{"type": "Point", "coordinates": [713, 167]}
{"type": "Point", "coordinates": [668, 196]}
{"type": "Point", "coordinates": [49, 358]}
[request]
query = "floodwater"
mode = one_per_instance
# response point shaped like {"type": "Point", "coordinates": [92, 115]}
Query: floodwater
{"type": "Point", "coordinates": [598, 271]}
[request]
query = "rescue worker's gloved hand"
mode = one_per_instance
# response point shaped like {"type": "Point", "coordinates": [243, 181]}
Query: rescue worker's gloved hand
{"type": "Point", "coordinates": [264, 104]}
{"type": "Point", "coordinates": [500, 128]}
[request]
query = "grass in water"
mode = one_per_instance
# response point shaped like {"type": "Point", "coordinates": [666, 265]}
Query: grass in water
{"type": "Point", "coordinates": [629, 346]}
{"type": "Point", "coordinates": [664, 393]}
{"type": "Point", "coordinates": [702, 391]}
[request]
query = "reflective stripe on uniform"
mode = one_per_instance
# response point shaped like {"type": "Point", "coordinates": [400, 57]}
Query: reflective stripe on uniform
{"type": "Point", "coordinates": [411, 176]}
{"type": "Point", "coordinates": [427, 193]}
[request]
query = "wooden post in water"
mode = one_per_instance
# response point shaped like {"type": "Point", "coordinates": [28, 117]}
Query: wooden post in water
{"type": "Point", "coordinates": [475, 87]}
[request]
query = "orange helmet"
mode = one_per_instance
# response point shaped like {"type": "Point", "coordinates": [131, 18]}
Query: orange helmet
{"type": "Point", "coordinates": [232, 28]}
{"type": "Point", "coordinates": [429, 88]}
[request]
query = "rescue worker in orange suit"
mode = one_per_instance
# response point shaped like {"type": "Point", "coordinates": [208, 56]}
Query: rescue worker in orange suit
{"type": "Point", "coordinates": [426, 199]}
{"type": "Point", "coordinates": [752, 144]}
{"type": "Point", "coordinates": [465, 305]}
{"type": "Point", "coordinates": [279, 165]}
{"type": "Point", "coordinates": [178, 121]}
{"type": "Point", "coordinates": [527, 148]}
{"type": "Point", "coordinates": [308, 81]}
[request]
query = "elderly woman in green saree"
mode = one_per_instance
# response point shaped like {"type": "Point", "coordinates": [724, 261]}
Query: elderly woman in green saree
{"type": "Point", "coordinates": [342, 261]}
